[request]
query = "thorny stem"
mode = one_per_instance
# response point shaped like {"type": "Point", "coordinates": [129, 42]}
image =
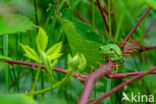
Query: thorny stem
{"type": "Point", "coordinates": [105, 69]}
{"type": "Point", "coordinates": [122, 85]}
{"type": "Point", "coordinates": [145, 48]}
{"type": "Point", "coordinates": [137, 24]}
{"type": "Point", "coordinates": [78, 75]}
{"type": "Point", "coordinates": [33, 65]}
{"type": "Point", "coordinates": [139, 48]}
{"type": "Point", "coordinates": [149, 28]}
{"type": "Point", "coordinates": [103, 15]}
{"type": "Point", "coordinates": [121, 75]}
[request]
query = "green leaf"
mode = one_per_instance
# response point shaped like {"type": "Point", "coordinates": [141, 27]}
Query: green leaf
{"type": "Point", "coordinates": [56, 48]}
{"type": "Point", "coordinates": [4, 58]}
{"type": "Point", "coordinates": [89, 49]}
{"type": "Point", "coordinates": [84, 30]}
{"type": "Point", "coordinates": [16, 99]}
{"type": "Point", "coordinates": [53, 100]}
{"type": "Point", "coordinates": [30, 53]}
{"type": "Point", "coordinates": [41, 40]}
{"type": "Point", "coordinates": [55, 56]}
{"type": "Point", "coordinates": [12, 23]}
{"type": "Point", "coordinates": [54, 51]}
{"type": "Point", "coordinates": [151, 3]}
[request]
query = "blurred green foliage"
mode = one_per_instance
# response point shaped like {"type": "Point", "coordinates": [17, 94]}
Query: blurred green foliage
{"type": "Point", "coordinates": [76, 36]}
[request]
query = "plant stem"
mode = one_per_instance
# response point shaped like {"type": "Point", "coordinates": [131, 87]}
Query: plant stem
{"type": "Point", "coordinates": [78, 75]}
{"type": "Point", "coordinates": [121, 75]}
{"type": "Point", "coordinates": [122, 85]}
{"type": "Point", "coordinates": [93, 14]}
{"type": "Point", "coordinates": [36, 16]}
{"type": "Point", "coordinates": [5, 51]}
{"type": "Point", "coordinates": [36, 78]}
{"type": "Point", "coordinates": [42, 83]}
{"type": "Point", "coordinates": [108, 88]}
{"type": "Point", "coordinates": [103, 15]}
{"type": "Point", "coordinates": [137, 24]}
{"type": "Point", "coordinates": [109, 18]}
{"type": "Point", "coordinates": [57, 7]}
{"type": "Point", "coordinates": [105, 69]}
{"type": "Point", "coordinates": [67, 77]}
{"type": "Point", "coordinates": [15, 78]}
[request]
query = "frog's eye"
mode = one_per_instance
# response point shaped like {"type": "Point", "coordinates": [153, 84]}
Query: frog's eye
{"type": "Point", "coordinates": [111, 49]}
{"type": "Point", "coordinates": [99, 49]}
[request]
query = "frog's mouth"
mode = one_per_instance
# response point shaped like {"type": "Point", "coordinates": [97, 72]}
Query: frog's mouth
{"type": "Point", "coordinates": [108, 56]}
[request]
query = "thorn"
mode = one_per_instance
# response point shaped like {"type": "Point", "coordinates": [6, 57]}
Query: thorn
{"type": "Point", "coordinates": [92, 68]}
{"type": "Point", "coordinates": [100, 64]}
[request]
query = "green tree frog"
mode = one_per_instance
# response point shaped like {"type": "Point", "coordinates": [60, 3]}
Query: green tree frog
{"type": "Point", "coordinates": [112, 51]}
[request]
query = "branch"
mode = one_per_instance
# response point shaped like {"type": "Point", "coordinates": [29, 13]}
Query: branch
{"type": "Point", "coordinates": [103, 15]}
{"type": "Point", "coordinates": [139, 21]}
{"type": "Point", "coordinates": [121, 75]}
{"type": "Point", "coordinates": [145, 48]}
{"type": "Point", "coordinates": [122, 85]}
{"type": "Point", "coordinates": [149, 28]}
{"type": "Point", "coordinates": [104, 9]}
{"type": "Point", "coordinates": [105, 69]}
{"type": "Point", "coordinates": [57, 7]}
{"type": "Point", "coordinates": [130, 47]}
{"type": "Point", "coordinates": [80, 16]}
{"type": "Point", "coordinates": [33, 65]}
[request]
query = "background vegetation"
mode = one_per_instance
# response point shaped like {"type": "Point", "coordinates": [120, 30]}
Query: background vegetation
{"type": "Point", "coordinates": [83, 32]}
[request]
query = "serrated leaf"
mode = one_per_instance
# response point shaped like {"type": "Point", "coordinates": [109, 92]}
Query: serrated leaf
{"type": "Point", "coordinates": [4, 58]}
{"type": "Point", "coordinates": [89, 49]}
{"type": "Point", "coordinates": [16, 99]}
{"type": "Point", "coordinates": [84, 30]}
{"type": "Point", "coordinates": [30, 53]}
{"type": "Point", "coordinates": [56, 48]}
{"type": "Point", "coordinates": [41, 40]}
{"type": "Point", "coordinates": [55, 56]}
{"type": "Point", "coordinates": [12, 23]}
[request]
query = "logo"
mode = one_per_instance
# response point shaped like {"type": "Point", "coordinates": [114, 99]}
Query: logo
{"type": "Point", "coordinates": [137, 97]}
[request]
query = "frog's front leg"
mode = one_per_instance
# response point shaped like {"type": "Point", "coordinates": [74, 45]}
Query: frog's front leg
{"type": "Point", "coordinates": [116, 69]}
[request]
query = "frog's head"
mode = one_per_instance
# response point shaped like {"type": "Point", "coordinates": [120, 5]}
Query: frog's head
{"type": "Point", "coordinates": [106, 49]}
{"type": "Point", "coordinates": [111, 50]}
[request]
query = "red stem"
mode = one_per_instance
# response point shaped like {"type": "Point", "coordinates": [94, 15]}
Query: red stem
{"type": "Point", "coordinates": [103, 15]}
{"type": "Point", "coordinates": [122, 85]}
{"type": "Point", "coordinates": [121, 75]}
{"type": "Point", "coordinates": [139, 21]}
{"type": "Point", "coordinates": [104, 9]}
{"type": "Point", "coordinates": [145, 48]}
{"type": "Point", "coordinates": [92, 78]}
{"type": "Point", "coordinates": [57, 7]}
{"type": "Point", "coordinates": [78, 75]}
